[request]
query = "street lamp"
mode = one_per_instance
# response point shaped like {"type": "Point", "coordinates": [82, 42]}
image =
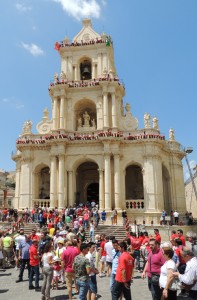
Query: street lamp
{"type": "Point", "coordinates": [189, 150]}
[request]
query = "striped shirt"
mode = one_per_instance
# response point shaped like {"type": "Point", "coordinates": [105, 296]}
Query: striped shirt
{"type": "Point", "coordinates": [190, 274]}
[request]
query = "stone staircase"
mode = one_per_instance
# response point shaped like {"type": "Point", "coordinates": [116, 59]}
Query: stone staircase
{"type": "Point", "coordinates": [117, 230]}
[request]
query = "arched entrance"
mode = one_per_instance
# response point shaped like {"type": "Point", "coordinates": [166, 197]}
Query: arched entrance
{"type": "Point", "coordinates": [93, 192]}
{"type": "Point", "coordinates": [87, 183]}
{"type": "Point", "coordinates": [42, 182]}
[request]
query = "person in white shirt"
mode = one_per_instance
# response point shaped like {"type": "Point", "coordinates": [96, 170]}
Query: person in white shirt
{"type": "Point", "coordinates": [166, 277]}
{"type": "Point", "coordinates": [92, 276]}
{"type": "Point", "coordinates": [176, 217]}
{"type": "Point", "coordinates": [189, 278]}
{"type": "Point", "coordinates": [109, 255]}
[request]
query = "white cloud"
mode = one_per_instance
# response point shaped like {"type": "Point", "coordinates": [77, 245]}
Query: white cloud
{"type": "Point", "coordinates": [33, 49]}
{"type": "Point", "coordinates": [81, 8]}
{"type": "Point", "coordinates": [5, 100]}
{"type": "Point", "coordinates": [22, 7]}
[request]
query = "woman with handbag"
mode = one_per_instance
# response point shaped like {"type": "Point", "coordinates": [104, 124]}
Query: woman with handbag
{"type": "Point", "coordinates": [166, 279]}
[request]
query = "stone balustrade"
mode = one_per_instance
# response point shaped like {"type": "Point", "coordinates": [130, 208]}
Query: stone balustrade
{"type": "Point", "coordinates": [41, 202]}
{"type": "Point", "coordinates": [135, 205]}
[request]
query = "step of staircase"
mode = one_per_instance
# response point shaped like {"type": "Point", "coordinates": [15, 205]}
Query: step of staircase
{"type": "Point", "coordinates": [109, 230]}
{"type": "Point", "coordinates": [117, 231]}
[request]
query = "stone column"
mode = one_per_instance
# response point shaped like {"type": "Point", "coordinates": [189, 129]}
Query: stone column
{"type": "Point", "coordinates": [153, 184]}
{"type": "Point", "coordinates": [105, 110]}
{"type": "Point", "coordinates": [62, 115]}
{"type": "Point", "coordinates": [75, 75]}
{"type": "Point", "coordinates": [53, 181]}
{"type": "Point", "coordinates": [93, 71]}
{"type": "Point", "coordinates": [17, 188]}
{"type": "Point", "coordinates": [54, 113]}
{"type": "Point", "coordinates": [61, 189]}
{"type": "Point", "coordinates": [99, 67]}
{"type": "Point", "coordinates": [70, 188]}
{"type": "Point", "coordinates": [114, 111]}
{"type": "Point", "coordinates": [26, 183]}
{"type": "Point", "coordinates": [117, 181]}
{"type": "Point", "coordinates": [107, 181]}
{"type": "Point", "coordinates": [101, 190]}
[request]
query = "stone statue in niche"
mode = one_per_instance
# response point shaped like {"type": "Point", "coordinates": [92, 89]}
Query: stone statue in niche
{"type": "Point", "coordinates": [93, 123]}
{"type": "Point", "coordinates": [171, 135]}
{"type": "Point", "coordinates": [155, 122]}
{"type": "Point", "coordinates": [147, 118]}
{"type": "Point", "coordinates": [86, 119]}
{"type": "Point", "coordinates": [27, 127]}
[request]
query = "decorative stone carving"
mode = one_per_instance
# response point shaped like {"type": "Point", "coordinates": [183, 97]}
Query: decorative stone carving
{"type": "Point", "coordinates": [155, 123]}
{"type": "Point", "coordinates": [147, 118]}
{"type": "Point", "coordinates": [128, 121]}
{"type": "Point", "coordinates": [86, 119]}
{"type": "Point", "coordinates": [27, 127]}
{"type": "Point", "coordinates": [45, 125]}
{"type": "Point", "coordinates": [128, 107]}
{"type": "Point", "coordinates": [56, 78]}
{"type": "Point", "coordinates": [62, 75]}
{"type": "Point", "coordinates": [171, 134]}
{"type": "Point", "coordinates": [93, 123]}
{"type": "Point", "coordinates": [105, 72]}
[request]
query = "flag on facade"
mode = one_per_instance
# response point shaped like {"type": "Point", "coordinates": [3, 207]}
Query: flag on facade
{"type": "Point", "coordinates": [107, 41]}
{"type": "Point", "coordinates": [57, 46]}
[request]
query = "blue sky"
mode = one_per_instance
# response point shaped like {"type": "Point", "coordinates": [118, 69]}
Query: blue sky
{"type": "Point", "coordinates": [155, 53]}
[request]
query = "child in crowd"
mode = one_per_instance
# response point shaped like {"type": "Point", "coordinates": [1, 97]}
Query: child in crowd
{"type": "Point", "coordinates": [56, 271]}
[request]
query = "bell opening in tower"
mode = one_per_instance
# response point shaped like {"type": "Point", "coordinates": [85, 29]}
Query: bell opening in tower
{"type": "Point", "coordinates": [85, 70]}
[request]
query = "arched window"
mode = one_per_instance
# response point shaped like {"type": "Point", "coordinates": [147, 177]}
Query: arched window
{"type": "Point", "coordinates": [85, 69]}
{"type": "Point", "coordinates": [134, 183]}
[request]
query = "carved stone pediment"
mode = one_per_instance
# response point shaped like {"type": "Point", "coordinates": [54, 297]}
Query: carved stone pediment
{"type": "Point", "coordinates": [87, 33]}
{"type": "Point", "coordinates": [129, 122]}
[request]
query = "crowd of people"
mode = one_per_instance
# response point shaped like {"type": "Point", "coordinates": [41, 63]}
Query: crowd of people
{"type": "Point", "coordinates": [89, 136]}
{"type": "Point", "coordinates": [65, 250]}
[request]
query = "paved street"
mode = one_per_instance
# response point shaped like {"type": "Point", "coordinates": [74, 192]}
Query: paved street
{"type": "Point", "coordinates": [10, 290]}
{"type": "Point", "coordinates": [17, 291]}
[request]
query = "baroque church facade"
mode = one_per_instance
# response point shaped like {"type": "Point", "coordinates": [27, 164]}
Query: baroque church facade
{"type": "Point", "coordinates": [92, 148]}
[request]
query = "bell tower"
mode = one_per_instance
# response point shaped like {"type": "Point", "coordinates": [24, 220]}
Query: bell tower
{"type": "Point", "coordinates": [87, 96]}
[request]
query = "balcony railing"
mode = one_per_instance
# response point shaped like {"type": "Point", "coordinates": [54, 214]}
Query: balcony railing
{"type": "Point", "coordinates": [41, 202]}
{"type": "Point", "coordinates": [135, 205]}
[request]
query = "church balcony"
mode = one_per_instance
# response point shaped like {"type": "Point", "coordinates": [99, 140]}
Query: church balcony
{"type": "Point", "coordinates": [41, 202]}
{"type": "Point", "coordinates": [136, 205]}
{"type": "Point", "coordinates": [83, 83]}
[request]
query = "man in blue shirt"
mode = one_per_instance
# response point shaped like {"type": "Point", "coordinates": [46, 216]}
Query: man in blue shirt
{"type": "Point", "coordinates": [24, 256]}
{"type": "Point", "coordinates": [116, 254]}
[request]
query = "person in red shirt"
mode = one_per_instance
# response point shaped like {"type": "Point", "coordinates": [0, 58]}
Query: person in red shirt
{"type": "Point", "coordinates": [34, 264]}
{"type": "Point", "coordinates": [123, 274]}
{"type": "Point", "coordinates": [136, 244]}
{"type": "Point", "coordinates": [103, 254]}
{"type": "Point", "coordinates": [33, 235]}
{"type": "Point", "coordinates": [68, 256]}
{"type": "Point", "coordinates": [157, 236]}
{"type": "Point", "coordinates": [174, 235]}
{"type": "Point", "coordinates": [180, 236]}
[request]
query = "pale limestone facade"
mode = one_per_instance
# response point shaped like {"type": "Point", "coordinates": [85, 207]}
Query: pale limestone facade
{"type": "Point", "coordinates": [92, 148]}
{"type": "Point", "coordinates": [191, 201]}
